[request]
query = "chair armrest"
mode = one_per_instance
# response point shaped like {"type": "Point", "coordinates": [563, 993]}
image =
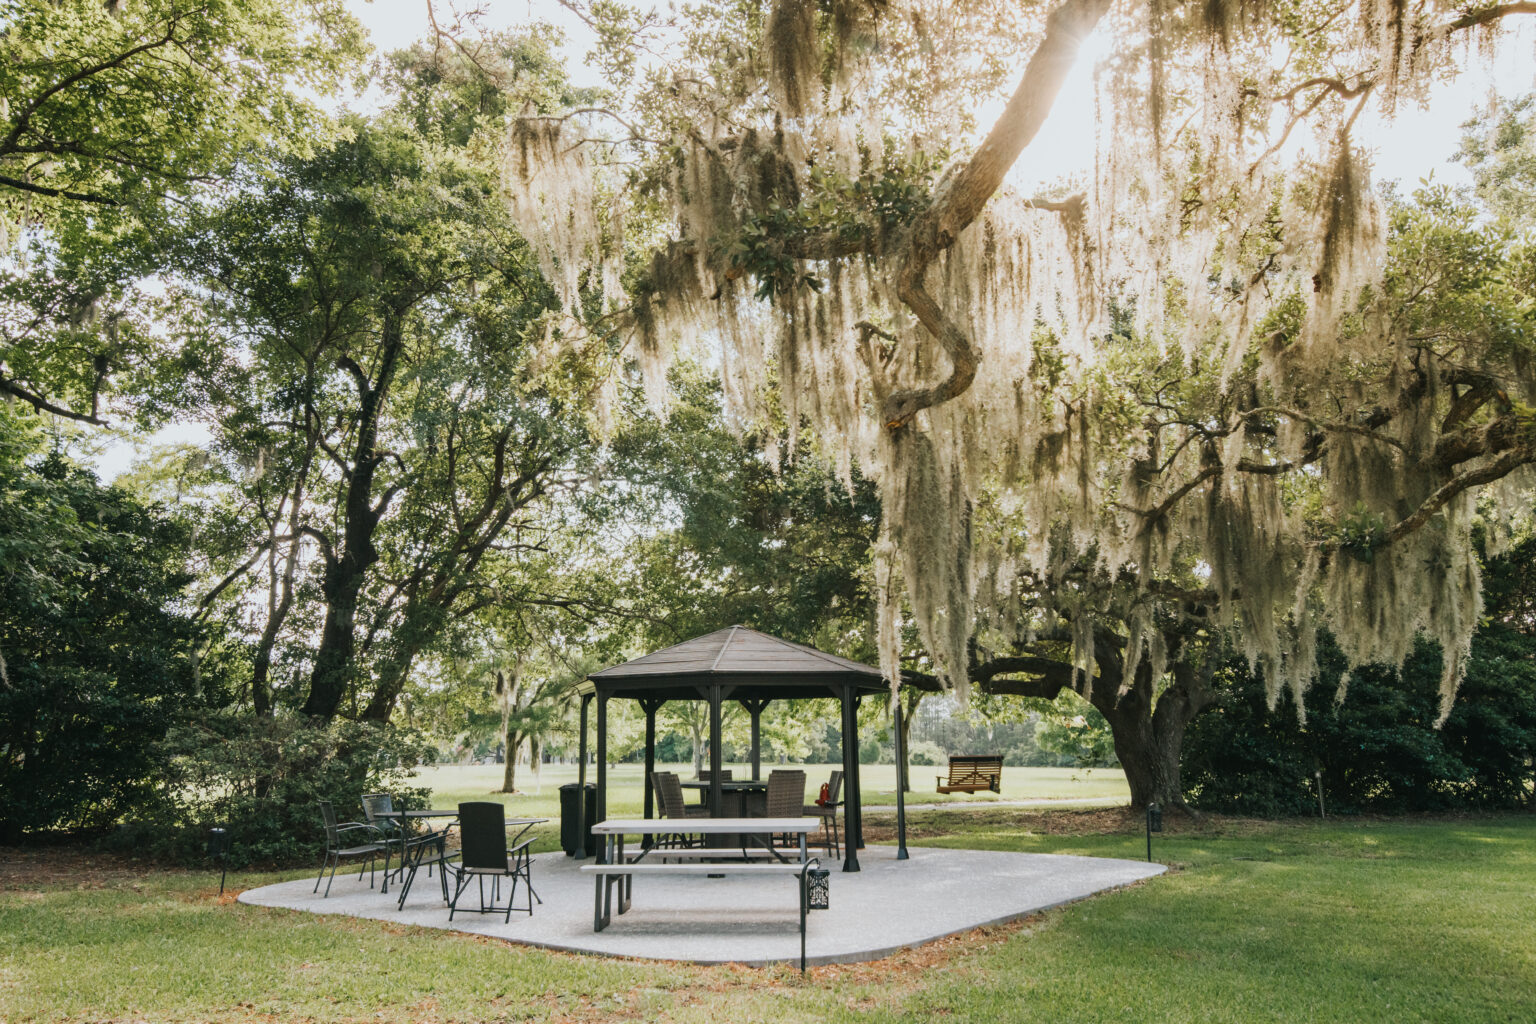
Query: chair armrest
{"type": "Point", "coordinates": [353, 826]}
{"type": "Point", "coordinates": [426, 837]}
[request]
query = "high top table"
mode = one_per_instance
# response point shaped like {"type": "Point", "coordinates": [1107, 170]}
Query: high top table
{"type": "Point", "coordinates": [739, 798]}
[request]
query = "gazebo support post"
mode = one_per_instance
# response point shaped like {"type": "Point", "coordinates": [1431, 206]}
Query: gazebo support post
{"type": "Point", "coordinates": [755, 709]}
{"type": "Point", "coordinates": [650, 707]}
{"type": "Point", "coordinates": [901, 782]}
{"type": "Point", "coordinates": [581, 781]}
{"type": "Point", "coordinates": [856, 833]}
{"type": "Point", "coordinates": [716, 793]}
{"type": "Point", "coordinates": [850, 779]}
{"type": "Point", "coordinates": [602, 765]}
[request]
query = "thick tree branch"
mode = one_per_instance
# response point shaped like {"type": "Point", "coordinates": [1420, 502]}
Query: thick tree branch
{"type": "Point", "coordinates": [1511, 430]}
{"type": "Point", "coordinates": [1333, 84]}
{"type": "Point", "coordinates": [41, 404]}
{"type": "Point", "coordinates": [206, 603]}
{"type": "Point", "coordinates": [961, 198]}
{"type": "Point", "coordinates": [1152, 516]}
{"type": "Point", "coordinates": [1500, 467]}
{"type": "Point", "coordinates": [1488, 15]}
{"type": "Point", "coordinates": [24, 116]}
{"type": "Point", "coordinates": [57, 193]}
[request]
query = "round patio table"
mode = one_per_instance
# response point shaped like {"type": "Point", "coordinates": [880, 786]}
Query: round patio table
{"type": "Point", "coordinates": [405, 818]}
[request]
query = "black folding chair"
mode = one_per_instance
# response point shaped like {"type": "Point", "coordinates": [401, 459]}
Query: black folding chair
{"type": "Point", "coordinates": [484, 854]}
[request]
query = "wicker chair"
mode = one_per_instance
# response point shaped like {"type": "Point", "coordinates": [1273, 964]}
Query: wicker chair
{"type": "Point", "coordinates": [827, 812]}
{"type": "Point", "coordinates": [334, 850]}
{"type": "Point", "coordinates": [705, 775]}
{"type": "Point", "coordinates": [669, 799]}
{"type": "Point", "coordinates": [786, 794]}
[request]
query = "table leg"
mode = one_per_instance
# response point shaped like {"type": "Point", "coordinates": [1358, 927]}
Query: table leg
{"type": "Point", "coordinates": [599, 881]}
{"type": "Point", "coordinates": [626, 882]}
{"type": "Point", "coordinates": [608, 880]}
{"type": "Point", "coordinates": [384, 885]}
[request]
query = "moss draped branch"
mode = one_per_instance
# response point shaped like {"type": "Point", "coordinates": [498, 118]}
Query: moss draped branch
{"type": "Point", "coordinates": [962, 197]}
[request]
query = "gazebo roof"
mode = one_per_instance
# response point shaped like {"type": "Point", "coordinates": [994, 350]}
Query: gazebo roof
{"type": "Point", "coordinates": [753, 664]}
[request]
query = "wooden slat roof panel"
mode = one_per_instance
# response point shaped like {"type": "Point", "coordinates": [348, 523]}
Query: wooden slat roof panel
{"type": "Point", "coordinates": [737, 650]}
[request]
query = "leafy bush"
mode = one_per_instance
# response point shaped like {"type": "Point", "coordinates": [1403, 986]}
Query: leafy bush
{"type": "Point", "coordinates": [263, 779]}
{"type": "Point", "coordinates": [927, 752]}
{"type": "Point", "coordinates": [1379, 749]}
{"type": "Point", "coordinates": [94, 655]}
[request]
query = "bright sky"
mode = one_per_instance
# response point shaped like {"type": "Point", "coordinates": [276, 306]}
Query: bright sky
{"type": "Point", "coordinates": [1416, 144]}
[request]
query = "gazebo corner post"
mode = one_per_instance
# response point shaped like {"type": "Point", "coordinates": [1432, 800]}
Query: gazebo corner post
{"type": "Point", "coordinates": [650, 707]}
{"type": "Point", "coordinates": [602, 766]}
{"type": "Point", "coordinates": [856, 833]}
{"type": "Point", "coordinates": [901, 781]}
{"type": "Point", "coordinates": [581, 782]}
{"type": "Point", "coordinates": [850, 779]}
{"type": "Point", "coordinates": [716, 791]}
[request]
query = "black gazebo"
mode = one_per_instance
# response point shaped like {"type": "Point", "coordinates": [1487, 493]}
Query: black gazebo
{"type": "Point", "coordinates": [752, 668]}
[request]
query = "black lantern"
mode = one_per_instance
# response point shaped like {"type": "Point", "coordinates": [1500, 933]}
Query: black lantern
{"type": "Point", "coordinates": [1154, 824]}
{"type": "Point", "coordinates": [218, 849]}
{"type": "Point", "coordinates": [818, 889]}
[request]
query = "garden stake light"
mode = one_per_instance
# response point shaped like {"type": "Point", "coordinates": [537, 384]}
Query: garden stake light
{"type": "Point", "coordinates": [1154, 824]}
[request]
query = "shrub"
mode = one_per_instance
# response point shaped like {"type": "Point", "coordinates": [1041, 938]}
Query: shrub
{"type": "Point", "coordinates": [263, 779]}
{"type": "Point", "coordinates": [94, 653]}
{"type": "Point", "coordinates": [1379, 750]}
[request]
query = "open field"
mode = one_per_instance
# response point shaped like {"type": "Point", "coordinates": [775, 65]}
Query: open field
{"type": "Point", "coordinates": [1349, 921]}
{"type": "Point", "coordinates": [538, 795]}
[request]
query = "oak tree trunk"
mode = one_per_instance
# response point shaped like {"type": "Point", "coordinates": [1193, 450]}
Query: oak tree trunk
{"type": "Point", "coordinates": [509, 774]}
{"type": "Point", "coordinates": [346, 569]}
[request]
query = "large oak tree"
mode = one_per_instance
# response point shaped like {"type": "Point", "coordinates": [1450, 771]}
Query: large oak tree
{"type": "Point", "coordinates": [1182, 373]}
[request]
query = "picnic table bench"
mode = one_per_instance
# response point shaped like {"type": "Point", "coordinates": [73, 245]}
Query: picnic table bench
{"type": "Point", "coordinates": [969, 773]}
{"type": "Point", "coordinates": [752, 861]}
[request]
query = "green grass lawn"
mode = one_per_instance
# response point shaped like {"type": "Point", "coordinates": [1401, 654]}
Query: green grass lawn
{"type": "Point", "coordinates": [538, 794]}
{"type": "Point", "coordinates": [1349, 921]}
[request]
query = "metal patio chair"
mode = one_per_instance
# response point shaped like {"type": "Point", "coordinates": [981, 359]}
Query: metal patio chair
{"type": "Point", "coordinates": [335, 851]}
{"type": "Point", "coordinates": [483, 854]}
{"type": "Point", "coordinates": [378, 811]}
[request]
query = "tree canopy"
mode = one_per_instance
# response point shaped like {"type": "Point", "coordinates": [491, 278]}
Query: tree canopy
{"type": "Point", "coordinates": [1187, 381]}
{"type": "Point", "coordinates": [112, 118]}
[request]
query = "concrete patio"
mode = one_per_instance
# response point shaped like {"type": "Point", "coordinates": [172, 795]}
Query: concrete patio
{"type": "Point", "coordinates": [886, 906]}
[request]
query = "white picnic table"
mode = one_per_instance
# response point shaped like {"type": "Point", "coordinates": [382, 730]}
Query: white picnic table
{"type": "Point", "coordinates": [756, 855]}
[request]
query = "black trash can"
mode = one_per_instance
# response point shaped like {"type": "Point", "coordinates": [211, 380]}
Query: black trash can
{"type": "Point", "coordinates": [571, 814]}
